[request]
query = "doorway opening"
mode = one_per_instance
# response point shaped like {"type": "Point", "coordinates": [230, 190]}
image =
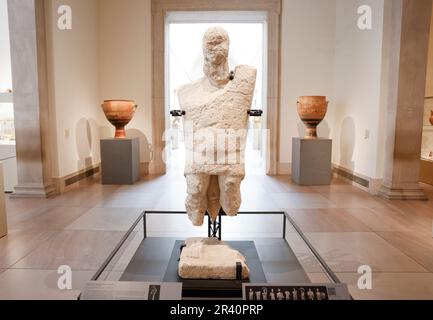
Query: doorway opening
{"type": "Point", "coordinates": [184, 64]}
{"type": "Point", "coordinates": [8, 156]}
{"type": "Point", "coordinates": [426, 168]}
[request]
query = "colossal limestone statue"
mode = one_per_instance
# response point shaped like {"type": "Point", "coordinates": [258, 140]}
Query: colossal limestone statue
{"type": "Point", "coordinates": [216, 124]}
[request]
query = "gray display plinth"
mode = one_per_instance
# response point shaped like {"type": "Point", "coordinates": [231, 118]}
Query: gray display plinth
{"type": "Point", "coordinates": [312, 161]}
{"type": "Point", "coordinates": [120, 161]}
{"type": "Point", "coordinates": [157, 259]}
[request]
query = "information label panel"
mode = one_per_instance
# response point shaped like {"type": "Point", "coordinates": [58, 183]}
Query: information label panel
{"type": "Point", "coordinates": [105, 290]}
{"type": "Point", "coordinates": [307, 292]}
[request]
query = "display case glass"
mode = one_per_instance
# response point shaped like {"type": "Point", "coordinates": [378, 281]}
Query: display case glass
{"type": "Point", "coordinates": [149, 252]}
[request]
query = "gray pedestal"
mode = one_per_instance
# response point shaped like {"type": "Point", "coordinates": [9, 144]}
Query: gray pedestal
{"type": "Point", "coordinates": [312, 162]}
{"type": "Point", "coordinates": [120, 161]}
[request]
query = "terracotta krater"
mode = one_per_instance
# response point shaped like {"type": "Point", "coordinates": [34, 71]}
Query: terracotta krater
{"type": "Point", "coordinates": [119, 113]}
{"type": "Point", "coordinates": [312, 110]}
{"type": "Point", "coordinates": [431, 118]}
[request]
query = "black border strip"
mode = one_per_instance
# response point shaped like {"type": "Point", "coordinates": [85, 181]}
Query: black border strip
{"type": "Point", "coordinates": [77, 178]}
{"type": "Point", "coordinates": [352, 177]}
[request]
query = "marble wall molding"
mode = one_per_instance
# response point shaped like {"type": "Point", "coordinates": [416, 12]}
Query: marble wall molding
{"type": "Point", "coordinates": [31, 107]}
{"type": "Point", "coordinates": [406, 34]}
{"type": "Point", "coordinates": [159, 11]}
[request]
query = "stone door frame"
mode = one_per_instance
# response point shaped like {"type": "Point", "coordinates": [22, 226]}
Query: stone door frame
{"type": "Point", "coordinates": [159, 12]}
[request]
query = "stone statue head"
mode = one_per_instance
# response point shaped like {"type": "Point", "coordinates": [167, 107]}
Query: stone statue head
{"type": "Point", "coordinates": [216, 43]}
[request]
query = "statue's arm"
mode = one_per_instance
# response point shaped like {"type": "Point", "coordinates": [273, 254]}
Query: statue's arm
{"type": "Point", "coordinates": [244, 80]}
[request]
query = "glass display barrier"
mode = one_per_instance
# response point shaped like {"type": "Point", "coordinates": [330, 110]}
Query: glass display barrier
{"type": "Point", "coordinates": [276, 250]}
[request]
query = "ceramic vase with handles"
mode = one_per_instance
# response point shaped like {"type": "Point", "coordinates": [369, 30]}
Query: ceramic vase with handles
{"type": "Point", "coordinates": [312, 110]}
{"type": "Point", "coordinates": [119, 113]}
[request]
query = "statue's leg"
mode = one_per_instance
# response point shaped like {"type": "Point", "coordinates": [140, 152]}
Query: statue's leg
{"type": "Point", "coordinates": [213, 198]}
{"type": "Point", "coordinates": [196, 202]}
{"type": "Point", "coordinates": [230, 199]}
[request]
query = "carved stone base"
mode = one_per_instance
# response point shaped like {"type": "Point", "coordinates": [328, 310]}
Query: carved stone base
{"type": "Point", "coordinates": [209, 258]}
{"type": "Point", "coordinates": [33, 191]}
{"type": "Point", "coordinates": [415, 193]}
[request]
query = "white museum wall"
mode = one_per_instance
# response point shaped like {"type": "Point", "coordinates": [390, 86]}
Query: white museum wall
{"type": "Point", "coordinates": [307, 64]}
{"type": "Point", "coordinates": [73, 59]}
{"type": "Point", "coordinates": [107, 55]}
{"type": "Point", "coordinates": [125, 62]}
{"type": "Point", "coordinates": [307, 60]}
{"type": "Point", "coordinates": [358, 112]}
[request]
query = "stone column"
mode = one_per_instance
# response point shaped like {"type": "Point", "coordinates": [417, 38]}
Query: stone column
{"type": "Point", "coordinates": [407, 27]}
{"type": "Point", "coordinates": [158, 165]}
{"type": "Point", "coordinates": [3, 217]}
{"type": "Point", "coordinates": [29, 74]}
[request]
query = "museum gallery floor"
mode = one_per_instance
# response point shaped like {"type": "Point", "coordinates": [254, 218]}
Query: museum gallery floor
{"type": "Point", "coordinates": [347, 226]}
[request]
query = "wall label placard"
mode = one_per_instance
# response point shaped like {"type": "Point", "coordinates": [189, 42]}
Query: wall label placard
{"type": "Point", "coordinates": [117, 290]}
{"type": "Point", "coordinates": [296, 292]}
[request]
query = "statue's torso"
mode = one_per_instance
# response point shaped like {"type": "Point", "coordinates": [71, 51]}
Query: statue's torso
{"type": "Point", "coordinates": [221, 114]}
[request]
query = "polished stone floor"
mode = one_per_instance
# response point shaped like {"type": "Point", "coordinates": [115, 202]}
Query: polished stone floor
{"type": "Point", "coordinates": [348, 227]}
